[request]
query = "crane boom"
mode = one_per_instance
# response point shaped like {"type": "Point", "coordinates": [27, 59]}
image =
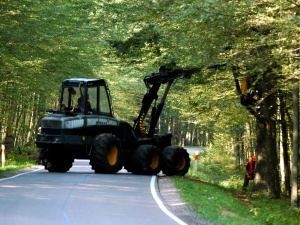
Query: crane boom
{"type": "Point", "coordinates": [166, 75]}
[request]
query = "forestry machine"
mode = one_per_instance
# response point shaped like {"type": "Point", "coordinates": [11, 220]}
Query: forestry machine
{"type": "Point", "coordinates": [84, 128]}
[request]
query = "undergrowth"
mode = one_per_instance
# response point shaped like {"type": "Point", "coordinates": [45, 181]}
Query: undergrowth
{"type": "Point", "coordinates": [18, 159]}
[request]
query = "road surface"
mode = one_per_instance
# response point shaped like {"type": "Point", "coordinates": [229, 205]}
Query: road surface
{"type": "Point", "coordinates": [193, 150]}
{"type": "Point", "coordinates": [81, 197]}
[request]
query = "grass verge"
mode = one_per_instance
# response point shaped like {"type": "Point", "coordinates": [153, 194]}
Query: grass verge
{"type": "Point", "coordinates": [214, 192]}
{"type": "Point", "coordinates": [15, 162]}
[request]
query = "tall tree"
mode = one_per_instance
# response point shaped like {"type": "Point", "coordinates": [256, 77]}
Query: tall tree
{"type": "Point", "coordinates": [295, 156]}
{"type": "Point", "coordinates": [286, 177]}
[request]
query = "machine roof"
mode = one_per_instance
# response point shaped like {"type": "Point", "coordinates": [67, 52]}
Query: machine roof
{"type": "Point", "coordinates": [83, 81]}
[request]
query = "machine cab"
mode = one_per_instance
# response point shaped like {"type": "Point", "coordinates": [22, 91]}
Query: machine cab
{"type": "Point", "coordinates": [85, 96]}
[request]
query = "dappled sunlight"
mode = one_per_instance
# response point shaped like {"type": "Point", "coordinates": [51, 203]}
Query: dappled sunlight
{"type": "Point", "coordinates": [79, 189]}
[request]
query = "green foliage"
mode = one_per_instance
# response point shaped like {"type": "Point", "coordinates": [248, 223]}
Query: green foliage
{"type": "Point", "coordinates": [42, 44]}
{"type": "Point", "coordinates": [140, 43]}
{"type": "Point", "coordinates": [15, 161]}
{"type": "Point", "coordinates": [45, 42]}
{"type": "Point", "coordinates": [217, 166]}
{"type": "Point", "coordinates": [214, 191]}
{"type": "Point", "coordinates": [221, 206]}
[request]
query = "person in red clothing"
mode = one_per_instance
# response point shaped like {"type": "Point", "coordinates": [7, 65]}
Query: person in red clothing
{"type": "Point", "coordinates": [250, 171]}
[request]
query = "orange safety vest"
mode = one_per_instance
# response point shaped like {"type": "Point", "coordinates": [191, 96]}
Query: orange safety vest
{"type": "Point", "coordinates": [251, 170]}
{"type": "Point", "coordinates": [252, 165]}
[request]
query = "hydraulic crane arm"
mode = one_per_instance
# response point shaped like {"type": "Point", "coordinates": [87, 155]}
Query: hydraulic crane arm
{"type": "Point", "coordinates": [166, 75]}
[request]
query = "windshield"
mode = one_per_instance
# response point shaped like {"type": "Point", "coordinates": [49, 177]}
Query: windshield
{"type": "Point", "coordinates": [82, 100]}
{"type": "Point", "coordinates": [70, 96]}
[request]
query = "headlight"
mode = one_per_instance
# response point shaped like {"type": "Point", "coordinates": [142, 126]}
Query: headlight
{"type": "Point", "coordinates": [39, 130]}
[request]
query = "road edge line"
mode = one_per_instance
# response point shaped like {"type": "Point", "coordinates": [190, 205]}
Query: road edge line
{"type": "Point", "coordinates": [160, 203]}
{"type": "Point", "coordinates": [20, 174]}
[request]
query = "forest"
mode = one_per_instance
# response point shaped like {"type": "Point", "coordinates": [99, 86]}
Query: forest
{"type": "Point", "coordinates": [248, 106]}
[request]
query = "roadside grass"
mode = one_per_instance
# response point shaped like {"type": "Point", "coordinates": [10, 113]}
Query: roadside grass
{"type": "Point", "coordinates": [16, 161]}
{"type": "Point", "coordinates": [214, 191]}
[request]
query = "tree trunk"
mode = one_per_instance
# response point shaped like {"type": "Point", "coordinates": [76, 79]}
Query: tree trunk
{"type": "Point", "coordinates": [9, 138]}
{"type": "Point", "coordinates": [284, 144]}
{"type": "Point", "coordinates": [196, 137]}
{"type": "Point", "coordinates": [267, 164]}
{"type": "Point", "coordinates": [262, 105]}
{"type": "Point", "coordinates": [273, 171]}
{"type": "Point", "coordinates": [248, 143]}
{"type": "Point", "coordinates": [295, 155]}
{"type": "Point", "coordinates": [261, 166]}
{"type": "Point", "coordinates": [236, 147]}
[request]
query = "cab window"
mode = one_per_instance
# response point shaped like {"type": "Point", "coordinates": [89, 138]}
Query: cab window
{"type": "Point", "coordinates": [104, 101]}
{"type": "Point", "coordinates": [91, 104]}
{"type": "Point", "coordinates": [69, 98]}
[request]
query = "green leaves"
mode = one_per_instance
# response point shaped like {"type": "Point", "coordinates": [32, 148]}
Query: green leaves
{"type": "Point", "coordinates": [42, 43]}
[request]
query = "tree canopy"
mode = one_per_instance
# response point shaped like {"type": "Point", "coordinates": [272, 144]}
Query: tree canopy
{"type": "Point", "coordinates": [43, 43]}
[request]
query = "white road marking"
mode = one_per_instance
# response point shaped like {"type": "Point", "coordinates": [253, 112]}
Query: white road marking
{"type": "Point", "coordinates": [20, 174]}
{"type": "Point", "coordinates": [152, 188]}
{"type": "Point", "coordinates": [161, 205]}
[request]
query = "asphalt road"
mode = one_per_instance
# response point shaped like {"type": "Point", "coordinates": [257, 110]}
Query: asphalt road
{"type": "Point", "coordinates": [81, 197]}
{"type": "Point", "coordinates": [194, 150]}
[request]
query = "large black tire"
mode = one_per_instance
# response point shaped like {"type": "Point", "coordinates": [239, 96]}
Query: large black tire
{"type": "Point", "coordinates": [176, 161]}
{"type": "Point", "coordinates": [106, 155]}
{"type": "Point", "coordinates": [146, 160]}
{"type": "Point", "coordinates": [56, 159]}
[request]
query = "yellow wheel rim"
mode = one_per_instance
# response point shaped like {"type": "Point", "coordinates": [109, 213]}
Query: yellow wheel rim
{"type": "Point", "coordinates": [154, 161]}
{"type": "Point", "coordinates": [112, 155]}
{"type": "Point", "coordinates": [181, 163]}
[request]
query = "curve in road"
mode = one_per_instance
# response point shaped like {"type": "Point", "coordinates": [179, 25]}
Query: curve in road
{"type": "Point", "coordinates": [81, 180]}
